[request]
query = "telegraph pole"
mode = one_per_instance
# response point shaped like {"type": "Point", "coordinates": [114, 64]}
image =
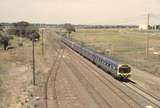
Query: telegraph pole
{"type": "Point", "coordinates": [147, 43]}
{"type": "Point", "coordinates": [147, 46]}
{"type": "Point", "coordinates": [148, 19]}
{"type": "Point", "coordinates": [33, 60]}
{"type": "Point", "coordinates": [42, 43]}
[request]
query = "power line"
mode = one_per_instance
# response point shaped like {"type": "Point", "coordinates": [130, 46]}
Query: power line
{"type": "Point", "coordinates": [134, 20]}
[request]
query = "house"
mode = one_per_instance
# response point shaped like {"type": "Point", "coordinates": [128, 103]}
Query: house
{"type": "Point", "coordinates": [143, 27]}
{"type": "Point", "coordinates": [149, 27]}
{"type": "Point", "coordinates": [156, 27]}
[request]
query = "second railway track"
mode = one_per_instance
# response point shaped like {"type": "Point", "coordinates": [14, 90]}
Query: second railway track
{"type": "Point", "coordinates": [129, 94]}
{"type": "Point", "coordinates": [149, 101]}
{"type": "Point", "coordinates": [52, 74]}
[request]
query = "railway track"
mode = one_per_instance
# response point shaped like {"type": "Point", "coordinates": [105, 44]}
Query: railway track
{"type": "Point", "coordinates": [151, 99]}
{"type": "Point", "coordinates": [52, 74]}
{"type": "Point", "coordinates": [96, 96]}
{"type": "Point", "coordinates": [146, 92]}
{"type": "Point", "coordinates": [143, 93]}
{"type": "Point", "coordinates": [108, 85]}
{"type": "Point", "coordinates": [127, 92]}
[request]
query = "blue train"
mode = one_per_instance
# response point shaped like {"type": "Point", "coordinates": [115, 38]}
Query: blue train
{"type": "Point", "coordinates": [116, 69]}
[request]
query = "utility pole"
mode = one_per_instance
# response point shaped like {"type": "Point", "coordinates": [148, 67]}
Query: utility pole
{"type": "Point", "coordinates": [147, 43]}
{"type": "Point", "coordinates": [42, 43]}
{"type": "Point", "coordinates": [33, 60]}
{"type": "Point", "coordinates": [147, 46]}
{"type": "Point", "coordinates": [148, 19]}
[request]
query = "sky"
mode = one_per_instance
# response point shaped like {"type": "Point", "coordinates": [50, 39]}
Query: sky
{"type": "Point", "coordinates": [80, 11]}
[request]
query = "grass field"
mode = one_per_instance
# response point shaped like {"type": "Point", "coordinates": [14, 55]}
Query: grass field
{"type": "Point", "coordinates": [126, 45]}
{"type": "Point", "coordinates": [16, 73]}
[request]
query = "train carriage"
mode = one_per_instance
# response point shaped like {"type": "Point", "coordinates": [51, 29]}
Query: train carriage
{"type": "Point", "coordinates": [118, 70]}
{"type": "Point", "coordinates": [77, 48]}
{"type": "Point", "coordinates": [87, 53]}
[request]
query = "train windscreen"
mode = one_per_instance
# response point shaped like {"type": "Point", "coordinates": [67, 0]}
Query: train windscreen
{"type": "Point", "coordinates": [124, 69]}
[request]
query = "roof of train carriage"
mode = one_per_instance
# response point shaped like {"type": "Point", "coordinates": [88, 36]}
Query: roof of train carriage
{"type": "Point", "coordinates": [87, 49]}
{"type": "Point", "coordinates": [104, 57]}
{"type": "Point", "coordinates": [108, 60]}
{"type": "Point", "coordinates": [100, 55]}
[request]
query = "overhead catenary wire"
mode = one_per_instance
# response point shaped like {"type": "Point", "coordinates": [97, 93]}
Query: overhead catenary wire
{"type": "Point", "coordinates": [140, 19]}
{"type": "Point", "coordinates": [131, 20]}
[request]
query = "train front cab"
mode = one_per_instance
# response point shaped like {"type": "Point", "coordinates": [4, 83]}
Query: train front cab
{"type": "Point", "coordinates": [124, 71]}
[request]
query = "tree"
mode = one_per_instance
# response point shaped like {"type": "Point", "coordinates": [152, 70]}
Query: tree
{"type": "Point", "coordinates": [69, 28]}
{"type": "Point", "coordinates": [21, 27]}
{"type": "Point", "coordinates": [25, 29]}
{"type": "Point", "coordinates": [1, 27]}
{"type": "Point", "coordinates": [4, 40]}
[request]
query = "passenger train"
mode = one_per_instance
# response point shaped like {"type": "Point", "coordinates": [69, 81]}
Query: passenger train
{"type": "Point", "coordinates": [116, 69]}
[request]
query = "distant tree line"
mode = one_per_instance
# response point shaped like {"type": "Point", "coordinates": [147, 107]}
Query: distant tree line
{"type": "Point", "coordinates": [21, 29]}
{"type": "Point", "coordinates": [69, 29]}
{"type": "Point", "coordinates": [106, 26]}
{"type": "Point", "coordinates": [39, 25]}
{"type": "Point", "coordinates": [25, 29]}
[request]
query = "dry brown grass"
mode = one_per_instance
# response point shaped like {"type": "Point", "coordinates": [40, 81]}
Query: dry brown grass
{"type": "Point", "coordinates": [16, 74]}
{"type": "Point", "coordinates": [125, 45]}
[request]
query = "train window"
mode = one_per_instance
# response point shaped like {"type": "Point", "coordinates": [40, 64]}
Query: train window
{"type": "Point", "coordinates": [113, 67]}
{"type": "Point", "coordinates": [103, 62]}
{"type": "Point", "coordinates": [124, 69]}
{"type": "Point", "coordinates": [110, 66]}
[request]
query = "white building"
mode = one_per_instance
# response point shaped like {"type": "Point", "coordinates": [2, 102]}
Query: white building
{"type": "Point", "coordinates": [143, 27]}
{"type": "Point", "coordinates": [156, 27]}
{"type": "Point", "coordinates": [149, 27]}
